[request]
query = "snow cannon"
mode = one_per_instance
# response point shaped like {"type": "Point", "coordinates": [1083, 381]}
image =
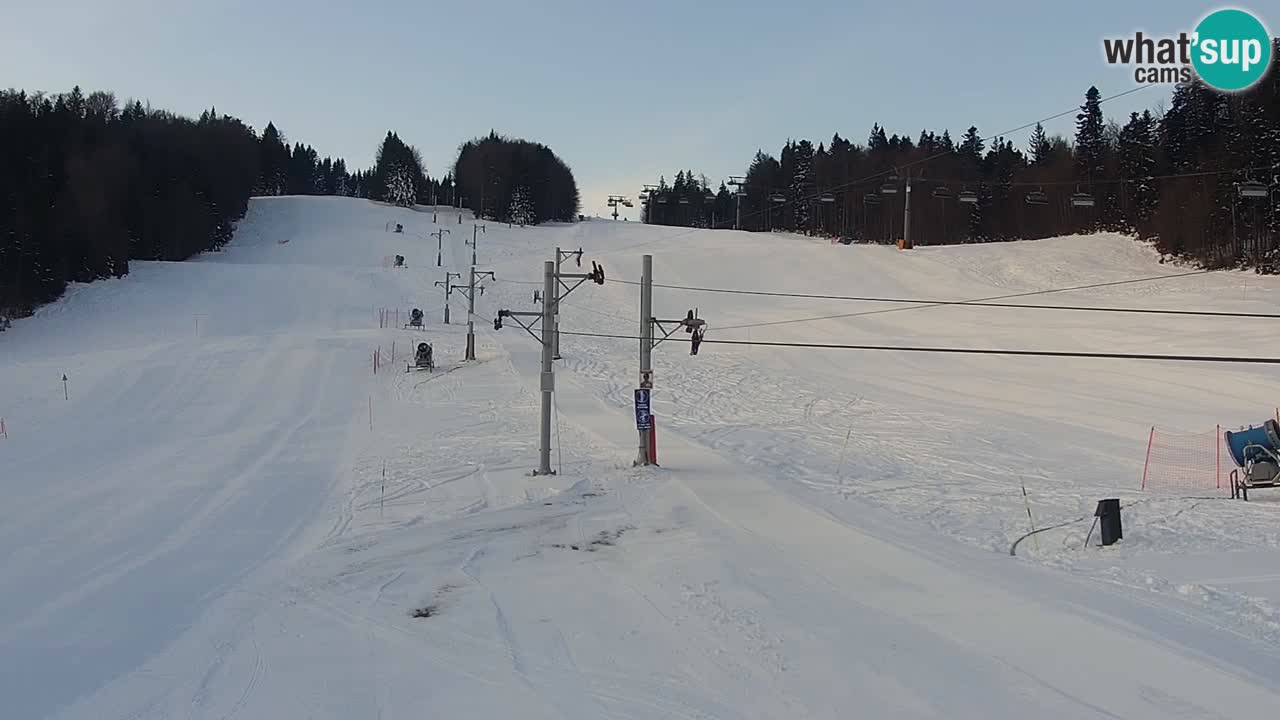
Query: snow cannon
{"type": "Point", "coordinates": [422, 359]}
{"type": "Point", "coordinates": [1254, 444]}
{"type": "Point", "coordinates": [1256, 452]}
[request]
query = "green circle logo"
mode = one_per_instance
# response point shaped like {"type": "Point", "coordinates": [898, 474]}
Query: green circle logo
{"type": "Point", "coordinates": [1232, 50]}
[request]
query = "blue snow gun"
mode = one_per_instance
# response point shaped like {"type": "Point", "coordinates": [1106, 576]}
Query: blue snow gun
{"type": "Point", "coordinates": [1256, 444]}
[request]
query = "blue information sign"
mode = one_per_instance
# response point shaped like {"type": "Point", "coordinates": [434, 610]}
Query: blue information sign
{"type": "Point", "coordinates": [643, 421]}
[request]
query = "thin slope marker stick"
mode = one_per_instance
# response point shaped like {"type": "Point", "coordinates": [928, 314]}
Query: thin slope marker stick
{"type": "Point", "coordinates": [840, 467]}
{"type": "Point", "coordinates": [1027, 501]}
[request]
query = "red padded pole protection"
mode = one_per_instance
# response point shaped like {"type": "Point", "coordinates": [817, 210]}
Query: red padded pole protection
{"type": "Point", "coordinates": [653, 439]}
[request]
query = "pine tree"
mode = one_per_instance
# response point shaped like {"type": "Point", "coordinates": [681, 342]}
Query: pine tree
{"type": "Point", "coordinates": [802, 184]}
{"type": "Point", "coordinates": [1092, 152]}
{"type": "Point", "coordinates": [971, 146]}
{"type": "Point", "coordinates": [338, 178]}
{"type": "Point", "coordinates": [398, 173]}
{"type": "Point", "coordinates": [273, 162]}
{"type": "Point", "coordinates": [878, 139]}
{"type": "Point", "coordinates": [521, 209]}
{"type": "Point", "coordinates": [400, 187]}
{"type": "Point", "coordinates": [1090, 143]}
{"type": "Point", "coordinates": [1137, 165]}
{"type": "Point", "coordinates": [1039, 147]}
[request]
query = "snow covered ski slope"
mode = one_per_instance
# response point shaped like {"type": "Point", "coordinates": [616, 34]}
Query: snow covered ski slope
{"type": "Point", "coordinates": [230, 515]}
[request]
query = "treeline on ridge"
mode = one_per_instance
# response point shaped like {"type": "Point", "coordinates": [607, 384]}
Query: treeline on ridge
{"type": "Point", "coordinates": [87, 185]}
{"type": "Point", "coordinates": [1201, 180]}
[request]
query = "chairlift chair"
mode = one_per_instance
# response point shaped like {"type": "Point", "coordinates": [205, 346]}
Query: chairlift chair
{"type": "Point", "coordinates": [1082, 199]}
{"type": "Point", "coordinates": [1037, 197]}
{"type": "Point", "coordinates": [968, 196]}
{"type": "Point", "coordinates": [890, 186]}
{"type": "Point", "coordinates": [1252, 189]}
{"type": "Point", "coordinates": [942, 191]}
{"type": "Point", "coordinates": [871, 199]}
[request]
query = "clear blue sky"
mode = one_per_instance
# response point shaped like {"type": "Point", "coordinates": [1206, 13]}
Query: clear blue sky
{"type": "Point", "coordinates": [624, 92]}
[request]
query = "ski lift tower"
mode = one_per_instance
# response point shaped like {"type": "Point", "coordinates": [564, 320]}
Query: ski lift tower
{"type": "Point", "coordinates": [646, 197]}
{"type": "Point", "coordinates": [737, 182]}
{"type": "Point", "coordinates": [1249, 189]}
{"type": "Point", "coordinates": [616, 201]}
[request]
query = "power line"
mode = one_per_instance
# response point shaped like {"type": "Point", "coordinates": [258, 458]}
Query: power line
{"type": "Point", "coordinates": [993, 298]}
{"type": "Point", "coordinates": [967, 351]}
{"type": "Point", "coordinates": [991, 301]}
{"type": "Point", "coordinates": [988, 301]}
{"type": "Point", "coordinates": [601, 313]}
{"type": "Point", "coordinates": [575, 306]}
{"type": "Point", "coordinates": [975, 303]}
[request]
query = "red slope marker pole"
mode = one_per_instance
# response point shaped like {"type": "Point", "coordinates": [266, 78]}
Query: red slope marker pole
{"type": "Point", "coordinates": [1150, 439]}
{"type": "Point", "coordinates": [1217, 471]}
{"type": "Point", "coordinates": [653, 439]}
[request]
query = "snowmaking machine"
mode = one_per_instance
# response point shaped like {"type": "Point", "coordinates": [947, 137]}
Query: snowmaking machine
{"type": "Point", "coordinates": [1256, 452]}
{"type": "Point", "coordinates": [415, 320]}
{"type": "Point", "coordinates": [422, 359]}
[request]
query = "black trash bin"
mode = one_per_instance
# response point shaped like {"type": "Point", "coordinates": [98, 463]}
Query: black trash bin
{"type": "Point", "coordinates": [1108, 514]}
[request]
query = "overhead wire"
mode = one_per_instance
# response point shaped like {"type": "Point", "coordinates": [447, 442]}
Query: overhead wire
{"type": "Point", "coordinates": [1229, 359]}
{"type": "Point", "coordinates": [569, 305]}
{"type": "Point", "coordinates": [980, 302]}
{"type": "Point", "coordinates": [984, 301]}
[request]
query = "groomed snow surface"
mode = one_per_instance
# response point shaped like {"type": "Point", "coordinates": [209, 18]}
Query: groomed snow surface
{"type": "Point", "coordinates": [229, 515]}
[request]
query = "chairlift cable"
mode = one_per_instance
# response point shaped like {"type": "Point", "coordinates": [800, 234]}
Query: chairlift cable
{"type": "Point", "coordinates": [980, 302]}
{"type": "Point", "coordinates": [1230, 359]}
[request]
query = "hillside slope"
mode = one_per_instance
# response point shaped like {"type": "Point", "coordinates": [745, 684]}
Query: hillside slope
{"type": "Point", "coordinates": [230, 514]}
